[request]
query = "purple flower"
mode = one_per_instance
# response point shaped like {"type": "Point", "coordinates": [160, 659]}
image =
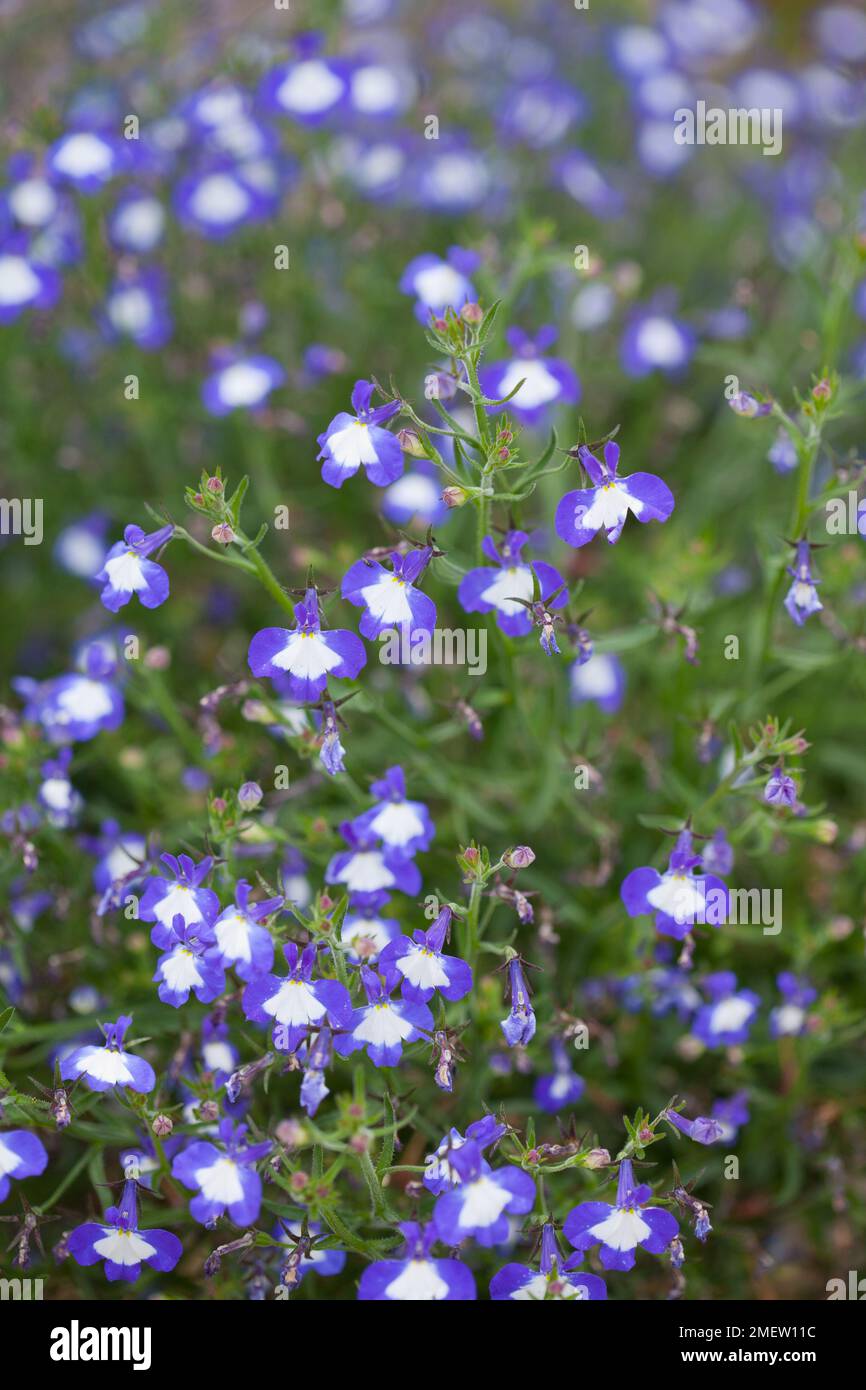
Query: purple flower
{"type": "Point", "coordinates": [508, 586]}
{"type": "Point", "coordinates": [164, 900]}
{"type": "Point", "coordinates": [75, 707]}
{"type": "Point", "coordinates": [621, 1228]}
{"type": "Point", "coordinates": [790, 1018]}
{"type": "Point", "coordinates": [22, 1155]}
{"type": "Point", "coordinates": [564, 1087]}
{"type": "Point", "coordinates": [540, 112]}
{"type": "Point", "coordinates": [480, 1203]}
{"type": "Point", "coordinates": [331, 753]}
{"type": "Point", "coordinates": [547, 381]}
{"type": "Point", "coordinates": [801, 600]}
{"type": "Point", "coordinates": [403, 826]}
{"type": "Point", "coordinates": [677, 898]}
{"type": "Point", "coordinates": [519, 1026]}
{"type": "Point", "coordinates": [705, 1129]}
{"type": "Point", "coordinates": [731, 1114]}
{"type": "Point", "coordinates": [241, 942]}
{"type": "Point", "coordinates": [384, 1025]}
{"type": "Point", "coordinates": [137, 308]}
{"type": "Point", "coordinates": [310, 89]}
{"type": "Point", "coordinates": [86, 158]}
{"type": "Point", "coordinates": [440, 1175]}
{"type": "Point", "coordinates": [118, 1241]}
{"type": "Point", "coordinates": [744, 403]}
{"type": "Point", "coordinates": [783, 452]}
{"type": "Point", "coordinates": [296, 1002]}
{"type": "Point", "coordinates": [555, 1280]}
{"type": "Point", "coordinates": [25, 284]}
{"type": "Point", "coordinates": [137, 221]}
{"type": "Point", "coordinates": [717, 856]}
{"type": "Point", "coordinates": [316, 1062]}
{"type": "Point", "coordinates": [351, 441]}
{"type": "Point", "coordinates": [416, 1277]}
{"type": "Point", "coordinates": [781, 790]}
{"type": "Point", "coordinates": [304, 657]}
{"type": "Point", "coordinates": [366, 868]}
{"type": "Point", "coordinates": [191, 964]}
{"type": "Point", "coordinates": [365, 934]}
{"type": "Point", "coordinates": [600, 678]}
{"type": "Point", "coordinates": [61, 802]}
{"type": "Point", "coordinates": [80, 547]}
{"type": "Point", "coordinates": [439, 284]}
{"type": "Point", "coordinates": [727, 1019]}
{"type": "Point", "coordinates": [223, 1176]}
{"type": "Point", "coordinates": [218, 199]}
{"type": "Point", "coordinates": [421, 968]}
{"type": "Point", "coordinates": [417, 495]}
{"type": "Point", "coordinates": [605, 506]}
{"type": "Point", "coordinates": [390, 598]}
{"type": "Point", "coordinates": [655, 341]}
{"type": "Point", "coordinates": [127, 570]}
{"type": "Point", "coordinates": [108, 1065]}
{"type": "Point", "coordinates": [241, 382]}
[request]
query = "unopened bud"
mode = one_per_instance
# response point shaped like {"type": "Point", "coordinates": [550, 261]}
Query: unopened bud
{"type": "Point", "coordinates": [472, 313]}
{"type": "Point", "coordinates": [454, 497]}
{"type": "Point", "coordinates": [163, 1126]}
{"type": "Point", "coordinates": [410, 443]}
{"type": "Point", "coordinates": [214, 485]}
{"type": "Point", "coordinates": [597, 1158]}
{"type": "Point", "coordinates": [208, 1111]}
{"type": "Point", "coordinates": [822, 390]}
{"type": "Point", "coordinates": [157, 659]}
{"type": "Point", "coordinates": [249, 796]}
{"type": "Point", "coordinates": [519, 858]}
{"type": "Point", "coordinates": [223, 533]}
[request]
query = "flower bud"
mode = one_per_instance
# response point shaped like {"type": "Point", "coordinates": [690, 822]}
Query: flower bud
{"type": "Point", "coordinates": [249, 796]}
{"type": "Point", "coordinates": [410, 443]}
{"type": "Point", "coordinates": [214, 485]}
{"type": "Point", "coordinates": [597, 1158]}
{"type": "Point", "coordinates": [223, 533]}
{"type": "Point", "coordinates": [519, 858]}
{"type": "Point", "coordinates": [163, 1126]}
{"type": "Point", "coordinates": [472, 313]}
{"type": "Point", "coordinates": [454, 497]}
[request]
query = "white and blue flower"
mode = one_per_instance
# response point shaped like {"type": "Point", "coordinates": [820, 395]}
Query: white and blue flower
{"type": "Point", "coordinates": [421, 968]}
{"type": "Point", "coordinates": [118, 1241]}
{"type": "Point", "coordinates": [304, 657]}
{"type": "Point", "coordinates": [223, 1176]}
{"type": "Point", "coordinates": [22, 1155]}
{"type": "Point", "coordinates": [620, 1229]}
{"type": "Point", "coordinates": [384, 1025]}
{"type": "Point", "coordinates": [480, 1204]}
{"type": "Point", "coordinates": [417, 1277]}
{"type": "Point", "coordinates": [357, 440]}
{"type": "Point", "coordinates": [295, 1003]}
{"type": "Point", "coordinates": [109, 1065]}
{"type": "Point", "coordinates": [605, 506]}
{"type": "Point", "coordinates": [127, 570]}
{"type": "Point", "coordinates": [242, 942]}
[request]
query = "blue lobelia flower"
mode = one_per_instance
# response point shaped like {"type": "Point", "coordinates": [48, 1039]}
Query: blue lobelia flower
{"type": "Point", "coordinates": [109, 1065]}
{"type": "Point", "coordinates": [417, 495]}
{"type": "Point", "coordinates": [403, 826]}
{"type": "Point", "coordinates": [75, 707]}
{"type": "Point", "coordinates": [218, 198]}
{"type": "Point", "coordinates": [353, 441]}
{"type": "Point", "coordinates": [519, 1026]}
{"type": "Point", "coordinates": [417, 1277]}
{"type": "Point", "coordinates": [781, 790]}
{"type": "Point", "coordinates": [621, 1228]}
{"type": "Point", "coordinates": [86, 158]}
{"type": "Point", "coordinates": [480, 1203]}
{"type": "Point", "coordinates": [546, 381]}
{"type": "Point", "coordinates": [654, 340]}
{"type": "Point", "coordinates": [191, 964]}
{"type": "Point", "coordinates": [136, 307]}
{"type": "Point", "coordinates": [731, 1113]}
{"type": "Point", "coordinates": [599, 678]}
{"type": "Point", "coordinates": [564, 1087]}
{"type": "Point", "coordinates": [790, 1018]}
{"type": "Point", "coordinates": [311, 88]}
{"type": "Point", "coordinates": [127, 570]}
{"type": "Point", "coordinates": [726, 1020]}
{"type": "Point", "coordinates": [240, 381]}
{"type": "Point", "coordinates": [118, 1241]}
{"type": "Point", "coordinates": [316, 1062]}
{"type": "Point", "coordinates": [302, 658]}
{"type": "Point", "coordinates": [802, 600]}
{"type": "Point", "coordinates": [705, 1129]}
{"type": "Point", "coordinates": [368, 869]}
{"type": "Point", "coordinates": [678, 898]}
{"type": "Point", "coordinates": [22, 1155]}
{"type": "Point", "coordinates": [242, 942]}
{"type": "Point", "coordinates": [440, 1175]}
{"type": "Point", "coordinates": [25, 283]}
{"type": "Point", "coordinates": [223, 1176]}
{"type": "Point", "coordinates": [506, 587]}
{"type": "Point", "coordinates": [421, 968]}
{"type": "Point", "coordinates": [58, 798]}
{"type": "Point", "coordinates": [296, 1002]}
{"type": "Point", "coordinates": [383, 1025]}
{"type": "Point", "coordinates": [604, 506]}
{"type": "Point", "coordinates": [137, 221]}
{"type": "Point", "coordinates": [164, 900]}
{"type": "Point", "coordinates": [365, 932]}
{"type": "Point", "coordinates": [439, 284]}
{"type": "Point", "coordinates": [553, 1281]}
{"type": "Point", "coordinates": [390, 597]}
